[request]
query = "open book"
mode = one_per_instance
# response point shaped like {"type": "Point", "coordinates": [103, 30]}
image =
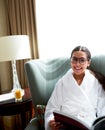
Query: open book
{"type": "Point", "coordinates": [72, 123]}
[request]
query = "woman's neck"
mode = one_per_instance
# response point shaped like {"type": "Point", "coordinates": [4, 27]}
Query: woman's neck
{"type": "Point", "coordinates": [79, 78]}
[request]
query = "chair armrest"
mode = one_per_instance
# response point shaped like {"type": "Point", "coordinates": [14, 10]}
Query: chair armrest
{"type": "Point", "coordinates": [33, 125]}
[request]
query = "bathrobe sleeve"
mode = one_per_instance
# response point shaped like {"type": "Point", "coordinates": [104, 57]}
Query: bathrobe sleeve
{"type": "Point", "coordinates": [54, 103]}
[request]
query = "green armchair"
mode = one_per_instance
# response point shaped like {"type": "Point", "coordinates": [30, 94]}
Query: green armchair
{"type": "Point", "coordinates": [42, 76]}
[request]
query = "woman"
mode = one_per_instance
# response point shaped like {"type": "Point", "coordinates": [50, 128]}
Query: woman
{"type": "Point", "coordinates": [78, 92]}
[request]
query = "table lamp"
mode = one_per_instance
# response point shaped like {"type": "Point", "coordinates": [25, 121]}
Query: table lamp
{"type": "Point", "coordinates": [12, 48]}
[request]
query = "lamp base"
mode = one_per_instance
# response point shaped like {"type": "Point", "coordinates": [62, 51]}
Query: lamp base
{"type": "Point", "coordinates": [16, 84]}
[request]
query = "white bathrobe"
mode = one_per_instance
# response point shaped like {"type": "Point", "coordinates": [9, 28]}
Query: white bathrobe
{"type": "Point", "coordinates": [82, 101]}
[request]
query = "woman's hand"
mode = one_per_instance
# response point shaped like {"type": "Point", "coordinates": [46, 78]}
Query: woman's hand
{"type": "Point", "coordinates": [55, 125]}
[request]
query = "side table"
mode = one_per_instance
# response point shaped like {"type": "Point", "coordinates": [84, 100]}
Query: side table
{"type": "Point", "coordinates": [10, 107]}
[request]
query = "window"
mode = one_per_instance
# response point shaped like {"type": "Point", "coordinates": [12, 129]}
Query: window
{"type": "Point", "coordinates": [64, 24]}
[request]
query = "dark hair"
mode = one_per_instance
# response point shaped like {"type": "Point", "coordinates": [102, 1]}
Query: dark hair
{"type": "Point", "coordinates": [100, 77]}
{"type": "Point", "coordinates": [84, 49]}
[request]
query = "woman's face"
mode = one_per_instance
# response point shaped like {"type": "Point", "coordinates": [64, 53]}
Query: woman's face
{"type": "Point", "coordinates": [79, 62]}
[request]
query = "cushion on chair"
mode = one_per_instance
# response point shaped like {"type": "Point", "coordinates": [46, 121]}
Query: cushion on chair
{"type": "Point", "coordinates": [40, 110]}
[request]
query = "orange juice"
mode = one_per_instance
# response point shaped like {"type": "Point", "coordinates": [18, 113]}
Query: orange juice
{"type": "Point", "coordinates": [18, 94]}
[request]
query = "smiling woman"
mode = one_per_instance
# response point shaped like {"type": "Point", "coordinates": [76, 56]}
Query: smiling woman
{"type": "Point", "coordinates": [62, 25]}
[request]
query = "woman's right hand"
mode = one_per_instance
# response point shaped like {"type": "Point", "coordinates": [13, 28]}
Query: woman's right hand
{"type": "Point", "coordinates": [55, 125]}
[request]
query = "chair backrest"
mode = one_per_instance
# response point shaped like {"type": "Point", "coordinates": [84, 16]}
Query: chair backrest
{"type": "Point", "coordinates": [98, 64]}
{"type": "Point", "coordinates": [42, 75]}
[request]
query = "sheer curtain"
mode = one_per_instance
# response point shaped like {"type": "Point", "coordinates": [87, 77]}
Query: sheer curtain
{"type": "Point", "coordinates": [64, 24]}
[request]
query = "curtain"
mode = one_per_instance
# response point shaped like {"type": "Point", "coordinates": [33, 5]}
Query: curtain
{"type": "Point", "coordinates": [19, 17]}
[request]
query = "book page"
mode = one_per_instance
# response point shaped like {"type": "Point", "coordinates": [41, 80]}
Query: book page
{"type": "Point", "coordinates": [70, 122]}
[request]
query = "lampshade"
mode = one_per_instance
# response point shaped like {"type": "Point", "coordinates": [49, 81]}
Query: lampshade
{"type": "Point", "coordinates": [14, 47]}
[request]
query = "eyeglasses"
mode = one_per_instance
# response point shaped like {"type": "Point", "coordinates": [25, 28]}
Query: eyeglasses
{"type": "Point", "coordinates": [81, 60]}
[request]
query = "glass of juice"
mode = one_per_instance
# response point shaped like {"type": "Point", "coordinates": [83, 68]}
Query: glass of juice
{"type": "Point", "coordinates": [18, 95]}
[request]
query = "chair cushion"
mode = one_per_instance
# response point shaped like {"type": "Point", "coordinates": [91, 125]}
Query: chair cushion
{"type": "Point", "coordinates": [40, 110]}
